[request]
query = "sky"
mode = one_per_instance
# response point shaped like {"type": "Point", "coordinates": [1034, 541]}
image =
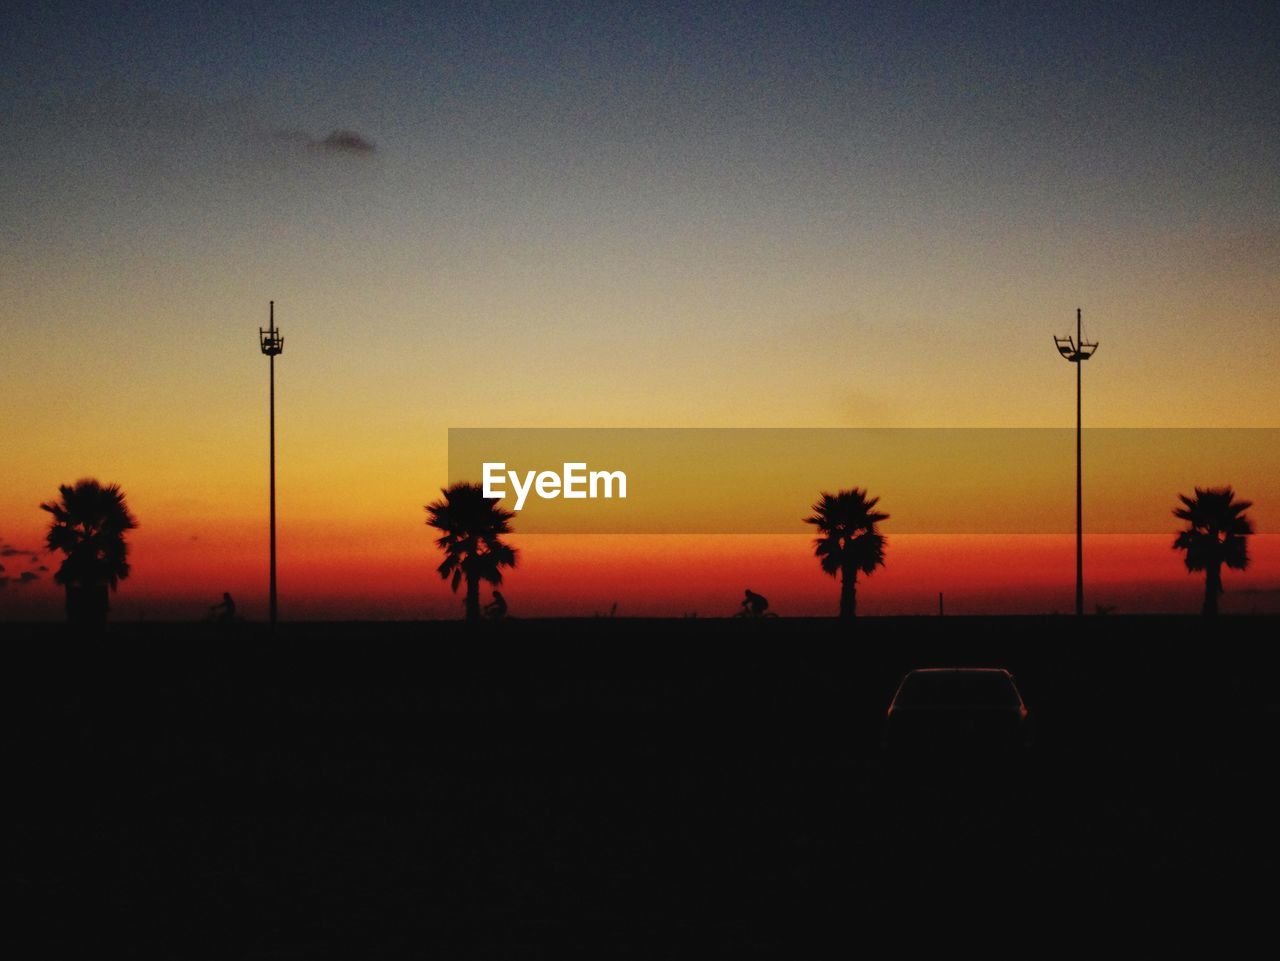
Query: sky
{"type": "Point", "coordinates": [603, 215]}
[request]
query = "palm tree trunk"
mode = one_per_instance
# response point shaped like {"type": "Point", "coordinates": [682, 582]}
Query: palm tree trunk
{"type": "Point", "coordinates": [75, 606]}
{"type": "Point", "coordinates": [473, 599]}
{"type": "Point", "coordinates": [848, 593]}
{"type": "Point", "coordinates": [1212, 588]}
{"type": "Point", "coordinates": [87, 603]}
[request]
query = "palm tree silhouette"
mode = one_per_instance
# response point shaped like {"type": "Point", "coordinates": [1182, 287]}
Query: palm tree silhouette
{"type": "Point", "coordinates": [89, 523]}
{"type": "Point", "coordinates": [848, 540]}
{"type": "Point", "coordinates": [472, 526]}
{"type": "Point", "coordinates": [1216, 530]}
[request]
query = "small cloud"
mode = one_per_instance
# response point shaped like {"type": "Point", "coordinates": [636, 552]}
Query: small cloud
{"type": "Point", "coordinates": [346, 141]}
{"type": "Point", "coordinates": [1, 568]}
{"type": "Point", "coordinates": [8, 550]}
{"type": "Point", "coordinates": [338, 141]}
{"type": "Point", "coordinates": [42, 569]}
{"type": "Point", "coordinates": [26, 577]}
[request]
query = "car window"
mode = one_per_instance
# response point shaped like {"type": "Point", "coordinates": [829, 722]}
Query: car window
{"type": "Point", "coordinates": [957, 688]}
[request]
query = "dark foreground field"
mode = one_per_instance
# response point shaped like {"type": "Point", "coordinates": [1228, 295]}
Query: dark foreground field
{"type": "Point", "coordinates": [625, 788]}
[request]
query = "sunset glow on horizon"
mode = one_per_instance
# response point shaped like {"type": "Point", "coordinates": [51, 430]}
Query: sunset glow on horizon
{"type": "Point", "coordinates": [564, 575]}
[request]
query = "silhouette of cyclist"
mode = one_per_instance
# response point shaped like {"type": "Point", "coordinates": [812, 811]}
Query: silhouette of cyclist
{"type": "Point", "coordinates": [227, 609]}
{"type": "Point", "coordinates": [497, 608]}
{"type": "Point", "coordinates": [753, 604]}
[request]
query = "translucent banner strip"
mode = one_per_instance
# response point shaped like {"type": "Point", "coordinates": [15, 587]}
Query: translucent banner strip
{"type": "Point", "coordinates": [928, 480]}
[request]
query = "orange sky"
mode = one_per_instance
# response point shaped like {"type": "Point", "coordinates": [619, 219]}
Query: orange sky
{"type": "Point", "coordinates": [353, 543]}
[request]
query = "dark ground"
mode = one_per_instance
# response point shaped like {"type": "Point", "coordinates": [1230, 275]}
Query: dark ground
{"type": "Point", "coordinates": [625, 789]}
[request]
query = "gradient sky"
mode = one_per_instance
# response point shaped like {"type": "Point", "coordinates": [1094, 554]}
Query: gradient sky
{"type": "Point", "coordinates": [601, 215]}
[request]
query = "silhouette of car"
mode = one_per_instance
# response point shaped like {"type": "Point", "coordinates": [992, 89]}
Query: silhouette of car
{"type": "Point", "coordinates": [962, 713]}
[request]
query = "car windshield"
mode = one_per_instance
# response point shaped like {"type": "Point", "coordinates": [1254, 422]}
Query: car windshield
{"type": "Point", "coordinates": [957, 689]}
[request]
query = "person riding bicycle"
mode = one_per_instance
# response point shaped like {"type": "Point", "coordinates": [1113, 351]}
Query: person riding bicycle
{"type": "Point", "coordinates": [753, 604]}
{"type": "Point", "coordinates": [497, 608]}
{"type": "Point", "coordinates": [225, 612]}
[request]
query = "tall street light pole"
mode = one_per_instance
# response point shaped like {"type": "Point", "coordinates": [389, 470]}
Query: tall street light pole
{"type": "Point", "coordinates": [1077, 351]}
{"type": "Point", "coordinates": [272, 343]}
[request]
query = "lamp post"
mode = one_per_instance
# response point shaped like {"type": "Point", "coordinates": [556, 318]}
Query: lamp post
{"type": "Point", "coordinates": [272, 343]}
{"type": "Point", "coordinates": [1077, 351]}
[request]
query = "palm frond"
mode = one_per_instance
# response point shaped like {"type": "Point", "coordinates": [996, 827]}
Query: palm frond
{"type": "Point", "coordinates": [471, 527]}
{"type": "Point", "coordinates": [89, 523]}
{"type": "Point", "coordinates": [1216, 531]}
{"type": "Point", "coordinates": [847, 523]}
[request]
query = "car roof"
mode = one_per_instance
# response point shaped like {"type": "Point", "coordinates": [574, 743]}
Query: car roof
{"type": "Point", "coordinates": [954, 679]}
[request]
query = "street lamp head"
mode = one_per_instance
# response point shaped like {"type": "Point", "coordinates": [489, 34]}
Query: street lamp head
{"type": "Point", "coordinates": [272, 342]}
{"type": "Point", "coordinates": [270, 339]}
{"type": "Point", "coordinates": [1068, 348]}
